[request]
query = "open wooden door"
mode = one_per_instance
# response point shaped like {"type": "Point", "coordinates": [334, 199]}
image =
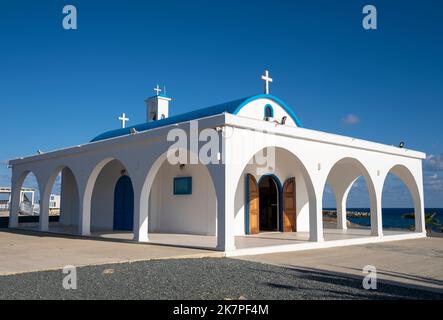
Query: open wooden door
{"type": "Point", "coordinates": [252, 220]}
{"type": "Point", "coordinates": [289, 208]}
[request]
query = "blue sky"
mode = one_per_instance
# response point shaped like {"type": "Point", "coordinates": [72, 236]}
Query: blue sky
{"type": "Point", "coordinates": [63, 87]}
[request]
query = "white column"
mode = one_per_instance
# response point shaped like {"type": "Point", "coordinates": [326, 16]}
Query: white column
{"type": "Point", "coordinates": [420, 221]}
{"type": "Point", "coordinates": [417, 195]}
{"type": "Point", "coordinates": [14, 205]}
{"type": "Point", "coordinates": [44, 210]}
{"type": "Point", "coordinates": [84, 208]}
{"type": "Point", "coordinates": [376, 217]}
{"type": "Point", "coordinates": [225, 224]}
{"type": "Point", "coordinates": [341, 214]}
{"type": "Point", "coordinates": [141, 214]}
{"type": "Point", "coordinates": [84, 205]}
{"type": "Point", "coordinates": [221, 176]}
{"type": "Point", "coordinates": [341, 198]}
{"type": "Point", "coordinates": [315, 219]}
{"type": "Point", "coordinates": [420, 213]}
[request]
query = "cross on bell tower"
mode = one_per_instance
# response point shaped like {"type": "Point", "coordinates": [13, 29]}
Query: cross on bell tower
{"type": "Point", "coordinates": [157, 90]}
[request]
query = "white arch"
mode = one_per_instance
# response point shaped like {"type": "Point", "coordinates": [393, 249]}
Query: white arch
{"type": "Point", "coordinates": [17, 182]}
{"type": "Point", "coordinates": [406, 176]}
{"type": "Point", "coordinates": [341, 177]}
{"type": "Point", "coordinates": [315, 206]}
{"type": "Point", "coordinates": [49, 184]}
{"type": "Point", "coordinates": [141, 207]}
{"type": "Point", "coordinates": [86, 198]}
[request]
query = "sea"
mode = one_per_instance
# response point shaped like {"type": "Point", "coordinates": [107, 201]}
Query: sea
{"type": "Point", "coordinates": [392, 218]}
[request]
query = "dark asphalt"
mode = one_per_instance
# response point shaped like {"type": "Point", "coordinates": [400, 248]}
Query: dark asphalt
{"type": "Point", "coordinates": [208, 278]}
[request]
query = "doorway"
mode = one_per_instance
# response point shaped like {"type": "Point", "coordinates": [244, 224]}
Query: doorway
{"type": "Point", "coordinates": [123, 204]}
{"type": "Point", "coordinates": [268, 204]}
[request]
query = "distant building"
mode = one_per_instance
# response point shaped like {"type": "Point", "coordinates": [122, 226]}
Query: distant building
{"type": "Point", "coordinates": [27, 199]}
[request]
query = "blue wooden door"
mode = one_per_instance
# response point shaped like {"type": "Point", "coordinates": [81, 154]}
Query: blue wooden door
{"type": "Point", "coordinates": [124, 204]}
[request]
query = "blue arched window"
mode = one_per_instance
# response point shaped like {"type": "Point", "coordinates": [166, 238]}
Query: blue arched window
{"type": "Point", "coordinates": [269, 111]}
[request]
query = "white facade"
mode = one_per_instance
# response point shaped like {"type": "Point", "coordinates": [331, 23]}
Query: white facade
{"type": "Point", "coordinates": [217, 204]}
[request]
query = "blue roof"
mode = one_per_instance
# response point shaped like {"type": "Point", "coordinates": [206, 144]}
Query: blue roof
{"type": "Point", "coordinates": [232, 107]}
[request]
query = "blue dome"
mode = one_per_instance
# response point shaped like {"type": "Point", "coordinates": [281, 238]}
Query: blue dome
{"type": "Point", "coordinates": [232, 107]}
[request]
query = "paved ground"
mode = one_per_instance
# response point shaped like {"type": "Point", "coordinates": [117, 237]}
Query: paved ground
{"type": "Point", "coordinates": [206, 278]}
{"type": "Point", "coordinates": [317, 274]}
{"type": "Point", "coordinates": [25, 251]}
{"type": "Point", "coordinates": [417, 263]}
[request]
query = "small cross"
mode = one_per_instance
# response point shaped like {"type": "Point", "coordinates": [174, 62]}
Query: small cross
{"type": "Point", "coordinates": [267, 80]}
{"type": "Point", "coordinates": [123, 119]}
{"type": "Point", "coordinates": [158, 90]}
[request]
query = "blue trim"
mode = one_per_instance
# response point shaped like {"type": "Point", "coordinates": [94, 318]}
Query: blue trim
{"type": "Point", "coordinates": [161, 95]}
{"type": "Point", "coordinates": [232, 107]}
{"type": "Point", "coordinates": [269, 108]}
{"type": "Point", "coordinates": [188, 181]}
{"type": "Point", "coordinates": [247, 204]}
{"type": "Point", "coordinates": [188, 116]}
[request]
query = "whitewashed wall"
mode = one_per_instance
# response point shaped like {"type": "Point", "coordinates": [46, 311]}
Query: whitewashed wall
{"type": "Point", "coordinates": [195, 213]}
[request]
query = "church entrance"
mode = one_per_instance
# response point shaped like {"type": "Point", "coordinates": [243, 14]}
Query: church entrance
{"type": "Point", "coordinates": [269, 204]}
{"type": "Point", "coordinates": [124, 204]}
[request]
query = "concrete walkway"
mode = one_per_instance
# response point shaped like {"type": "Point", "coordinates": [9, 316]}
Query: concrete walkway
{"type": "Point", "coordinates": [415, 263]}
{"type": "Point", "coordinates": [26, 251]}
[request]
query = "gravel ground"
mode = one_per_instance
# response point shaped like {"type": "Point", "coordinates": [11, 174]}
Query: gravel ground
{"type": "Point", "coordinates": [208, 278]}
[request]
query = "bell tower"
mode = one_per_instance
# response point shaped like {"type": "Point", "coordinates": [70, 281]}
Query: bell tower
{"type": "Point", "coordinates": [157, 107]}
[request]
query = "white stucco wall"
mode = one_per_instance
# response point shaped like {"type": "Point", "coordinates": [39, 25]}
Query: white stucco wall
{"type": "Point", "coordinates": [192, 214]}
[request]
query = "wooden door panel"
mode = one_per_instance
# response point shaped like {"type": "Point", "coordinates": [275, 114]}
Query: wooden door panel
{"type": "Point", "coordinates": [253, 198]}
{"type": "Point", "coordinates": [289, 207]}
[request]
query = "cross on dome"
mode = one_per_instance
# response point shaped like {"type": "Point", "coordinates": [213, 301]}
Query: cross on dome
{"type": "Point", "coordinates": [123, 119]}
{"type": "Point", "coordinates": [267, 80]}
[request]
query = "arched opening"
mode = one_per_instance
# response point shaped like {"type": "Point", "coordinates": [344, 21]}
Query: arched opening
{"type": "Point", "coordinates": [112, 200]}
{"type": "Point", "coordinates": [285, 199]}
{"type": "Point", "coordinates": [182, 199]}
{"type": "Point", "coordinates": [268, 112]}
{"type": "Point", "coordinates": [26, 200]}
{"type": "Point", "coordinates": [348, 196]}
{"type": "Point", "coordinates": [30, 196]}
{"type": "Point", "coordinates": [358, 205]}
{"type": "Point", "coordinates": [401, 203]}
{"type": "Point", "coordinates": [269, 204]}
{"type": "Point", "coordinates": [63, 201]}
{"type": "Point", "coordinates": [330, 220]}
